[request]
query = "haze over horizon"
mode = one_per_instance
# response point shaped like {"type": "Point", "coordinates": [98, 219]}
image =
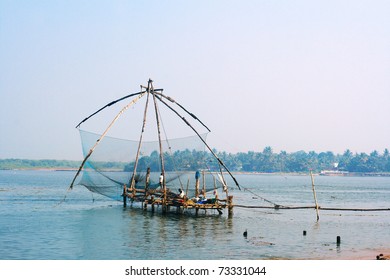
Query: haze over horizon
{"type": "Point", "coordinates": [292, 75]}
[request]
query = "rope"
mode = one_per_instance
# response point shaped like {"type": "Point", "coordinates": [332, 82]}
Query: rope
{"type": "Point", "coordinates": [63, 200]}
{"type": "Point", "coordinates": [204, 142]}
{"type": "Point", "coordinates": [170, 149]}
{"type": "Point", "coordinates": [266, 200]}
{"type": "Point", "coordinates": [312, 207]}
{"type": "Point", "coordinates": [103, 135]}
{"type": "Point", "coordinates": [108, 105]}
{"type": "Point", "coordinates": [354, 209]}
{"type": "Point", "coordinates": [278, 206]}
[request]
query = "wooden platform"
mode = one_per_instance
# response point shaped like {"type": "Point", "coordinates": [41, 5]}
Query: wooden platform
{"type": "Point", "coordinates": [153, 199]}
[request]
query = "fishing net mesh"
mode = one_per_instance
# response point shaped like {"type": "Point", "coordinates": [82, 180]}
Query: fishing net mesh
{"type": "Point", "coordinates": [111, 164]}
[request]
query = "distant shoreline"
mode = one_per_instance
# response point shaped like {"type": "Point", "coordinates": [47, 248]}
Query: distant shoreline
{"type": "Point", "coordinates": [267, 162]}
{"type": "Point", "coordinates": [350, 174]}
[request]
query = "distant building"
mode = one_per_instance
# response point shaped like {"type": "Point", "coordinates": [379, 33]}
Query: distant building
{"type": "Point", "coordinates": [334, 171]}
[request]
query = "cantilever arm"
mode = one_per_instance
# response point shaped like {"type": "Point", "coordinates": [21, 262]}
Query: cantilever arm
{"type": "Point", "coordinates": [204, 142]}
{"type": "Point", "coordinates": [103, 135]}
{"type": "Point", "coordinates": [108, 105]}
{"type": "Point", "coordinates": [184, 109]}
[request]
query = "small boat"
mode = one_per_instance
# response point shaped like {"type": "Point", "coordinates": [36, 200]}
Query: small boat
{"type": "Point", "coordinates": [180, 174]}
{"type": "Point", "coordinates": [333, 173]}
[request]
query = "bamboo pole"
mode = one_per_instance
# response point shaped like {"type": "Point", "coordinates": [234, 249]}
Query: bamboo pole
{"type": "Point", "coordinates": [314, 194]}
{"type": "Point", "coordinates": [189, 113]}
{"type": "Point", "coordinates": [203, 184]}
{"type": "Point", "coordinates": [147, 180]}
{"type": "Point", "coordinates": [108, 105]}
{"type": "Point", "coordinates": [204, 142]}
{"type": "Point", "coordinates": [230, 205]}
{"type": "Point", "coordinates": [188, 184]}
{"type": "Point", "coordinates": [132, 183]}
{"type": "Point", "coordinates": [197, 175]}
{"type": "Point", "coordinates": [150, 89]}
{"type": "Point", "coordinates": [103, 135]}
{"type": "Point", "coordinates": [215, 189]}
{"type": "Point", "coordinates": [124, 196]}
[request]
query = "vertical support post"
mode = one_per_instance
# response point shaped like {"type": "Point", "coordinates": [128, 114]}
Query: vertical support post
{"type": "Point", "coordinates": [147, 180]}
{"type": "Point", "coordinates": [124, 196]}
{"type": "Point", "coordinates": [132, 182]}
{"type": "Point", "coordinates": [152, 200]}
{"type": "Point", "coordinates": [230, 205]}
{"type": "Point", "coordinates": [314, 194]}
{"type": "Point", "coordinates": [188, 184]}
{"type": "Point", "coordinates": [203, 184]}
{"type": "Point", "coordinates": [132, 187]}
{"type": "Point", "coordinates": [146, 194]}
{"type": "Point", "coordinates": [215, 190]}
{"type": "Point", "coordinates": [197, 178]}
{"type": "Point", "coordinates": [163, 183]}
{"type": "Point", "coordinates": [229, 198]}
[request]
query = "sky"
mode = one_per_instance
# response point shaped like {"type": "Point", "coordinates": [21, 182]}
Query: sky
{"type": "Point", "coordinates": [293, 75]}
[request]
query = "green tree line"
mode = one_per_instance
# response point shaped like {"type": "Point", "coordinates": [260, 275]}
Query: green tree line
{"type": "Point", "coordinates": [38, 164]}
{"type": "Point", "coordinates": [301, 161]}
{"type": "Point", "coordinates": [9, 164]}
{"type": "Point", "coordinates": [266, 161]}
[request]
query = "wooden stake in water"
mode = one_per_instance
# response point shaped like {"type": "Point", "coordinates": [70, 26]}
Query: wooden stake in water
{"type": "Point", "coordinates": [314, 193]}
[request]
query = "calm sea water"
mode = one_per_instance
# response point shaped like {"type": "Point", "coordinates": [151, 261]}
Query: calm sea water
{"type": "Point", "coordinates": [36, 223]}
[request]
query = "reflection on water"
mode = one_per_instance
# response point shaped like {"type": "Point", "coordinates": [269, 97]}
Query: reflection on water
{"type": "Point", "coordinates": [35, 225]}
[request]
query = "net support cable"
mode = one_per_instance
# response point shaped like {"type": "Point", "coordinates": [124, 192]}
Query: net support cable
{"type": "Point", "coordinates": [204, 142]}
{"type": "Point", "coordinates": [132, 183]}
{"type": "Point", "coordinates": [108, 105]}
{"type": "Point", "coordinates": [104, 134]}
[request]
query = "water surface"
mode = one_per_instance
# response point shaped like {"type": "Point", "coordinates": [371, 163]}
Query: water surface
{"type": "Point", "coordinates": [37, 223]}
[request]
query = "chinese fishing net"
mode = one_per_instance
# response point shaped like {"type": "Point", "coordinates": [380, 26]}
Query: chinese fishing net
{"type": "Point", "coordinates": [111, 164]}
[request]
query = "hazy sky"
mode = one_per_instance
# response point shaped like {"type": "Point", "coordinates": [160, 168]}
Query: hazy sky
{"type": "Point", "coordinates": [293, 75]}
